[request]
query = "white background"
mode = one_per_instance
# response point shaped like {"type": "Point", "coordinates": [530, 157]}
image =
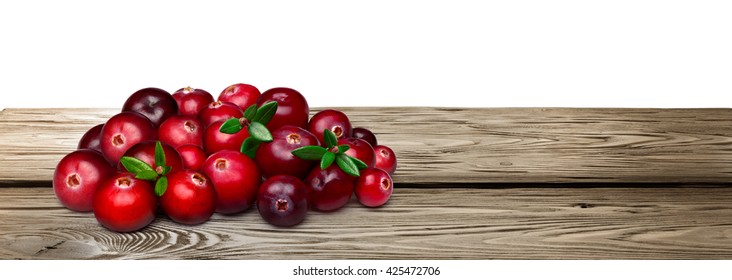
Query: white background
{"type": "Point", "coordinates": [373, 53]}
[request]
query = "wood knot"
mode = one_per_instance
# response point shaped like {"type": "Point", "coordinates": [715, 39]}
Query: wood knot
{"type": "Point", "coordinates": [584, 205]}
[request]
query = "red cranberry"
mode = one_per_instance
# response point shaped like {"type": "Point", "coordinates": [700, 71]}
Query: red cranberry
{"type": "Point", "coordinates": [385, 159]}
{"type": "Point", "coordinates": [236, 178]}
{"type": "Point", "coordinates": [145, 151]}
{"type": "Point", "coordinates": [77, 176]}
{"type": "Point", "coordinates": [191, 100]}
{"type": "Point", "coordinates": [123, 203]}
{"type": "Point", "coordinates": [215, 140]}
{"type": "Point", "coordinates": [190, 197]}
{"type": "Point", "coordinates": [192, 156]}
{"type": "Point", "coordinates": [153, 103]}
{"type": "Point", "coordinates": [365, 134]}
{"type": "Point", "coordinates": [92, 139]}
{"type": "Point", "coordinates": [219, 111]}
{"type": "Point", "coordinates": [283, 200]}
{"type": "Point", "coordinates": [243, 95]}
{"type": "Point", "coordinates": [276, 157]}
{"type": "Point", "coordinates": [123, 131]}
{"type": "Point", "coordinates": [374, 187]}
{"type": "Point", "coordinates": [329, 189]}
{"type": "Point", "coordinates": [360, 149]}
{"type": "Point", "coordinates": [292, 108]}
{"type": "Point", "coordinates": [181, 130]}
{"type": "Point", "coordinates": [332, 120]}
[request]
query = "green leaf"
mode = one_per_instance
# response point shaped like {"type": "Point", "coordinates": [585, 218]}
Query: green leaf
{"type": "Point", "coordinates": [343, 148]}
{"type": "Point", "coordinates": [166, 170]}
{"type": "Point", "coordinates": [249, 147]}
{"type": "Point", "coordinates": [250, 112]}
{"type": "Point", "coordinates": [266, 112]}
{"type": "Point", "coordinates": [231, 126]}
{"type": "Point", "coordinates": [330, 138]}
{"type": "Point", "coordinates": [309, 152]}
{"type": "Point", "coordinates": [347, 165]}
{"type": "Point", "coordinates": [360, 164]}
{"type": "Point", "coordinates": [327, 160]}
{"type": "Point", "coordinates": [161, 185]}
{"type": "Point", "coordinates": [260, 132]}
{"type": "Point", "coordinates": [159, 154]}
{"type": "Point", "coordinates": [141, 169]}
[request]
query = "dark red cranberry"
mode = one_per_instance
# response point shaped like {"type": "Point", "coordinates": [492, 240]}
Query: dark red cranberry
{"type": "Point", "coordinates": [181, 130]}
{"type": "Point", "coordinates": [145, 151]}
{"type": "Point", "coordinates": [219, 111]}
{"type": "Point", "coordinates": [292, 108]}
{"type": "Point", "coordinates": [190, 197]}
{"type": "Point", "coordinates": [215, 140]}
{"type": "Point", "coordinates": [192, 156]}
{"type": "Point", "coordinates": [276, 157]}
{"type": "Point", "coordinates": [153, 103]}
{"type": "Point", "coordinates": [192, 100]}
{"type": "Point", "coordinates": [124, 204]}
{"type": "Point", "coordinates": [332, 120]}
{"type": "Point", "coordinates": [365, 134]}
{"type": "Point", "coordinates": [360, 149]}
{"type": "Point", "coordinates": [329, 189]}
{"type": "Point", "coordinates": [92, 139]}
{"type": "Point", "coordinates": [385, 159]}
{"type": "Point", "coordinates": [243, 95]}
{"type": "Point", "coordinates": [123, 131]}
{"type": "Point", "coordinates": [374, 187]}
{"type": "Point", "coordinates": [283, 201]}
{"type": "Point", "coordinates": [77, 177]}
{"type": "Point", "coordinates": [235, 177]}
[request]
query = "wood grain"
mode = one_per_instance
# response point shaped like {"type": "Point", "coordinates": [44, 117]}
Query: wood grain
{"type": "Point", "coordinates": [443, 145]}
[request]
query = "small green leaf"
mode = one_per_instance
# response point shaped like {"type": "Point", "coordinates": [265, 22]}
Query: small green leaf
{"type": "Point", "coordinates": [343, 148]}
{"type": "Point", "coordinates": [231, 126]}
{"type": "Point", "coordinates": [327, 160]}
{"type": "Point", "coordinates": [250, 112]}
{"type": "Point", "coordinates": [166, 170]}
{"type": "Point", "coordinates": [161, 185]}
{"type": "Point", "coordinates": [249, 147]}
{"type": "Point", "coordinates": [266, 112]}
{"type": "Point", "coordinates": [141, 169]}
{"type": "Point", "coordinates": [309, 152]}
{"type": "Point", "coordinates": [147, 175]}
{"type": "Point", "coordinates": [159, 154]}
{"type": "Point", "coordinates": [330, 138]}
{"type": "Point", "coordinates": [260, 132]}
{"type": "Point", "coordinates": [347, 165]}
{"type": "Point", "coordinates": [360, 164]}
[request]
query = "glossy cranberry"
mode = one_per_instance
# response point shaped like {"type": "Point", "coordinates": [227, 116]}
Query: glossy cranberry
{"type": "Point", "coordinates": [215, 140]}
{"type": "Point", "coordinates": [283, 200]}
{"type": "Point", "coordinates": [77, 177]}
{"type": "Point", "coordinates": [219, 111]}
{"type": "Point", "coordinates": [192, 156]}
{"type": "Point", "coordinates": [190, 197]}
{"type": "Point", "coordinates": [292, 108]}
{"type": "Point", "coordinates": [123, 131]}
{"type": "Point", "coordinates": [243, 95]}
{"type": "Point", "coordinates": [92, 139]}
{"type": "Point", "coordinates": [154, 103]}
{"type": "Point", "coordinates": [332, 120]}
{"type": "Point", "coordinates": [374, 187]}
{"type": "Point", "coordinates": [235, 177]}
{"type": "Point", "coordinates": [276, 157]}
{"type": "Point", "coordinates": [329, 189]}
{"type": "Point", "coordinates": [360, 149]}
{"type": "Point", "coordinates": [191, 100]}
{"type": "Point", "coordinates": [124, 204]}
{"type": "Point", "coordinates": [181, 130]}
{"type": "Point", "coordinates": [145, 151]}
{"type": "Point", "coordinates": [385, 159]}
{"type": "Point", "coordinates": [365, 134]}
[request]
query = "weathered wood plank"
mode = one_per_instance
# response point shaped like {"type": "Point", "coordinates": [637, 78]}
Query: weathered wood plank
{"type": "Point", "coordinates": [441, 145]}
{"type": "Point", "coordinates": [427, 223]}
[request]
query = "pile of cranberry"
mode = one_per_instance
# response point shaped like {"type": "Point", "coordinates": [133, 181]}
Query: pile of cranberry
{"type": "Point", "coordinates": [192, 156]}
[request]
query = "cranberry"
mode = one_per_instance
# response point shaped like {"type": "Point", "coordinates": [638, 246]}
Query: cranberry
{"type": "Point", "coordinates": [360, 149]}
{"type": "Point", "coordinates": [219, 111]}
{"type": "Point", "coordinates": [365, 134]}
{"type": "Point", "coordinates": [215, 140]}
{"type": "Point", "coordinates": [153, 103]}
{"type": "Point", "coordinates": [374, 187]}
{"type": "Point", "coordinates": [276, 157]}
{"type": "Point", "coordinates": [92, 139]}
{"type": "Point", "coordinates": [243, 95]}
{"type": "Point", "coordinates": [283, 200]}
{"type": "Point", "coordinates": [329, 189]}
{"type": "Point", "coordinates": [332, 120]}
{"type": "Point", "coordinates": [385, 159]}
{"type": "Point", "coordinates": [181, 130]}
{"type": "Point", "coordinates": [192, 156]}
{"type": "Point", "coordinates": [191, 100]}
{"type": "Point", "coordinates": [190, 197]}
{"type": "Point", "coordinates": [77, 176]}
{"type": "Point", "coordinates": [292, 108]}
{"type": "Point", "coordinates": [235, 177]}
{"type": "Point", "coordinates": [123, 131]}
{"type": "Point", "coordinates": [123, 203]}
{"type": "Point", "coordinates": [145, 151]}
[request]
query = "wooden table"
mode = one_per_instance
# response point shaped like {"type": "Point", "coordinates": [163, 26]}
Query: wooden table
{"type": "Point", "coordinates": [509, 183]}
